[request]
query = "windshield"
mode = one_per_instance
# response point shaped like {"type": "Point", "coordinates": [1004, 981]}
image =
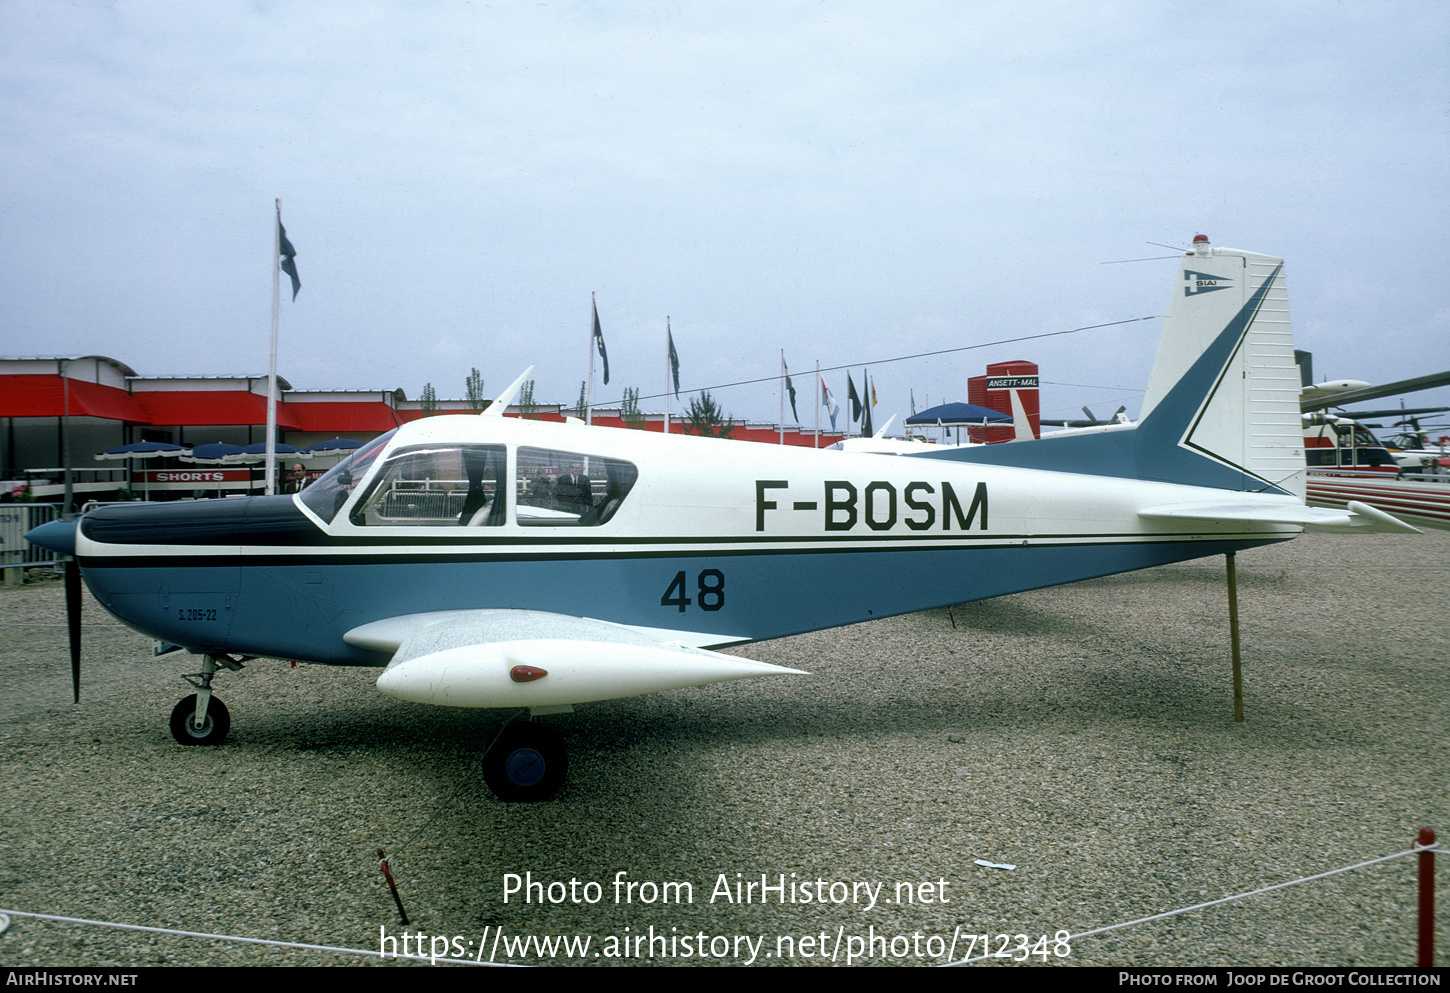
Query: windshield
{"type": "Point", "coordinates": [326, 496]}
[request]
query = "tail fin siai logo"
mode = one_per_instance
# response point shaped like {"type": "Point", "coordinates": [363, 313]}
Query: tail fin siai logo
{"type": "Point", "coordinates": [1204, 282]}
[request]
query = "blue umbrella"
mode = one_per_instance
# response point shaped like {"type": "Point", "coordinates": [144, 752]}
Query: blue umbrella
{"type": "Point", "coordinates": [260, 448]}
{"type": "Point", "coordinates": [950, 414]}
{"type": "Point", "coordinates": [258, 451]}
{"type": "Point", "coordinates": [334, 446]}
{"type": "Point", "coordinates": [215, 453]}
{"type": "Point", "coordinates": [142, 450]}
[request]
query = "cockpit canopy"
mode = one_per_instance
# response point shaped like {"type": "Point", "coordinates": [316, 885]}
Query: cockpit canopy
{"type": "Point", "coordinates": [443, 484]}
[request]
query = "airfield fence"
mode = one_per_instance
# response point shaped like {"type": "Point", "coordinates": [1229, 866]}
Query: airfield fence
{"type": "Point", "coordinates": [1424, 848]}
{"type": "Point", "coordinates": [15, 552]}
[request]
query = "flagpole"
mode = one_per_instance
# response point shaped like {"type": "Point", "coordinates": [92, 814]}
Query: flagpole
{"type": "Point", "coordinates": [67, 508]}
{"type": "Point", "coordinates": [269, 463]}
{"type": "Point", "coordinates": [668, 339]}
{"type": "Point", "coordinates": [782, 396]}
{"type": "Point", "coordinates": [865, 410]}
{"type": "Point", "coordinates": [589, 400]}
{"type": "Point", "coordinates": [819, 401]}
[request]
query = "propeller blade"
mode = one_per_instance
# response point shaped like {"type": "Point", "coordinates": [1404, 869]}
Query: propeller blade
{"type": "Point", "coordinates": [73, 621]}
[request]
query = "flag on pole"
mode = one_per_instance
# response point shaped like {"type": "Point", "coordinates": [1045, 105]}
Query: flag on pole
{"type": "Point", "coordinates": [853, 399]}
{"type": "Point", "coordinates": [674, 358]}
{"type": "Point", "coordinates": [868, 429]}
{"type": "Point", "coordinates": [790, 388]}
{"type": "Point", "coordinates": [830, 403]}
{"type": "Point", "coordinates": [599, 341]}
{"type": "Point", "coordinates": [289, 255]}
{"type": "Point", "coordinates": [913, 402]}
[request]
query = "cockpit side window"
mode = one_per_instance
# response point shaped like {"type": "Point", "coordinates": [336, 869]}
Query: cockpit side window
{"type": "Point", "coordinates": [567, 489]}
{"type": "Point", "coordinates": [438, 486]}
{"type": "Point", "coordinates": [325, 496]}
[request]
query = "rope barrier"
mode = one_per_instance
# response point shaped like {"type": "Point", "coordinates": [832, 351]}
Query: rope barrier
{"type": "Point", "coordinates": [270, 942]}
{"type": "Point", "coordinates": [1416, 850]}
{"type": "Point", "coordinates": [7, 914]}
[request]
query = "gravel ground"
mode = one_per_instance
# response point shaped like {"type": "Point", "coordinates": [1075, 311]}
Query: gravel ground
{"type": "Point", "coordinates": [1084, 734]}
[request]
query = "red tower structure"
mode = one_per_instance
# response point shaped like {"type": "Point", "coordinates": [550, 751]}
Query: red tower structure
{"type": "Point", "coordinates": [996, 389]}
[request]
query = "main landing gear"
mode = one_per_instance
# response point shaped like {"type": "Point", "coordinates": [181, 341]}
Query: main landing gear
{"type": "Point", "coordinates": [202, 719]}
{"type": "Point", "coordinates": [527, 762]}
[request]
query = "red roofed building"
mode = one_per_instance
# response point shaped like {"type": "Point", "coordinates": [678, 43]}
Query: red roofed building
{"type": "Point", "coordinates": [91, 404]}
{"type": "Point", "coordinates": [195, 410]}
{"type": "Point", "coordinates": [362, 414]}
{"type": "Point", "coordinates": [51, 403]}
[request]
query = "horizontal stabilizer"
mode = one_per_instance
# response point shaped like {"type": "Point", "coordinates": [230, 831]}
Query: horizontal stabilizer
{"type": "Point", "coordinates": [1357, 517]}
{"type": "Point", "coordinates": [532, 658]}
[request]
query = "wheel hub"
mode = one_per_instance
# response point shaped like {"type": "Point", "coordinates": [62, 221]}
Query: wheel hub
{"type": "Point", "coordinates": [525, 766]}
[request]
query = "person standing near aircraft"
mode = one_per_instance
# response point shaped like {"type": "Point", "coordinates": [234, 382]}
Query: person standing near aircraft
{"type": "Point", "coordinates": [297, 478]}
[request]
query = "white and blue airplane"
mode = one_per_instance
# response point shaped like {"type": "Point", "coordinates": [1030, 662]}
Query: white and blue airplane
{"type": "Point", "coordinates": [490, 562]}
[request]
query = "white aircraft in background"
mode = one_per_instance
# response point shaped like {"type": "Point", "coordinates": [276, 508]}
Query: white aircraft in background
{"type": "Point", "coordinates": [483, 561]}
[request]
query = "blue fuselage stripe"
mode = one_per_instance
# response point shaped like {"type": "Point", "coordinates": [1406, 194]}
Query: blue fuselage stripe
{"type": "Point", "coordinates": [298, 607]}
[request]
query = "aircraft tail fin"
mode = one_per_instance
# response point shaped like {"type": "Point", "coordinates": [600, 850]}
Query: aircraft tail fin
{"type": "Point", "coordinates": [1224, 391]}
{"type": "Point", "coordinates": [1222, 407]}
{"type": "Point", "coordinates": [1021, 423]}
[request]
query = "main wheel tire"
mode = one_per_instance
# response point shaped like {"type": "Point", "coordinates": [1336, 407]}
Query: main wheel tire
{"type": "Point", "coordinates": [218, 723]}
{"type": "Point", "coordinates": [526, 764]}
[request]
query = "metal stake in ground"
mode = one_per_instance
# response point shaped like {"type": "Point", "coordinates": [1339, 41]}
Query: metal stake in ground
{"type": "Point", "coordinates": [1233, 633]}
{"type": "Point", "coordinates": [388, 875]}
{"type": "Point", "coordinates": [1426, 958]}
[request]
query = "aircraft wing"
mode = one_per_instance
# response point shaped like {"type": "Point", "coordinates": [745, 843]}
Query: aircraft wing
{"type": "Point", "coordinates": [1356, 517]}
{"type": "Point", "coordinates": [534, 658]}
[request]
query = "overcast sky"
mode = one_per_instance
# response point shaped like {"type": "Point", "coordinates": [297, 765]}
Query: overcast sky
{"type": "Point", "coordinates": [847, 181]}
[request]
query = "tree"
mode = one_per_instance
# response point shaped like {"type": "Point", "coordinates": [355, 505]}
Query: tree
{"type": "Point", "coordinates": [629, 409]}
{"type": "Point", "coordinates": [582, 407]}
{"type": "Point", "coordinates": [429, 400]}
{"type": "Point", "coordinates": [474, 385]}
{"type": "Point", "coordinates": [527, 407]}
{"type": "Point", "coordinates": [707, 419]}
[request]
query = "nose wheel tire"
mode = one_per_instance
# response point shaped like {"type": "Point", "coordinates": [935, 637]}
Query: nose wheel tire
{"type": "Point", "coordinates": [527, 763]}
{"type": "Point", "coordinates": [218, 722]}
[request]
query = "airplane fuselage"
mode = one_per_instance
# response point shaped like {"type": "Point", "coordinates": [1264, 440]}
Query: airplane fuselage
{"type": "Point", "coordinates": [736, 541]}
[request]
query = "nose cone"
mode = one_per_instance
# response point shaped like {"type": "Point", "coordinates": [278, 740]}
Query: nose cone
{"type": "Point", "coordinates": [58, 536]}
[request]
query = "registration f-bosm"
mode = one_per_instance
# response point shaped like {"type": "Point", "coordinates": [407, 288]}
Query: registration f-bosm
{"type": "Point", "coordinates": [485, 561]}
